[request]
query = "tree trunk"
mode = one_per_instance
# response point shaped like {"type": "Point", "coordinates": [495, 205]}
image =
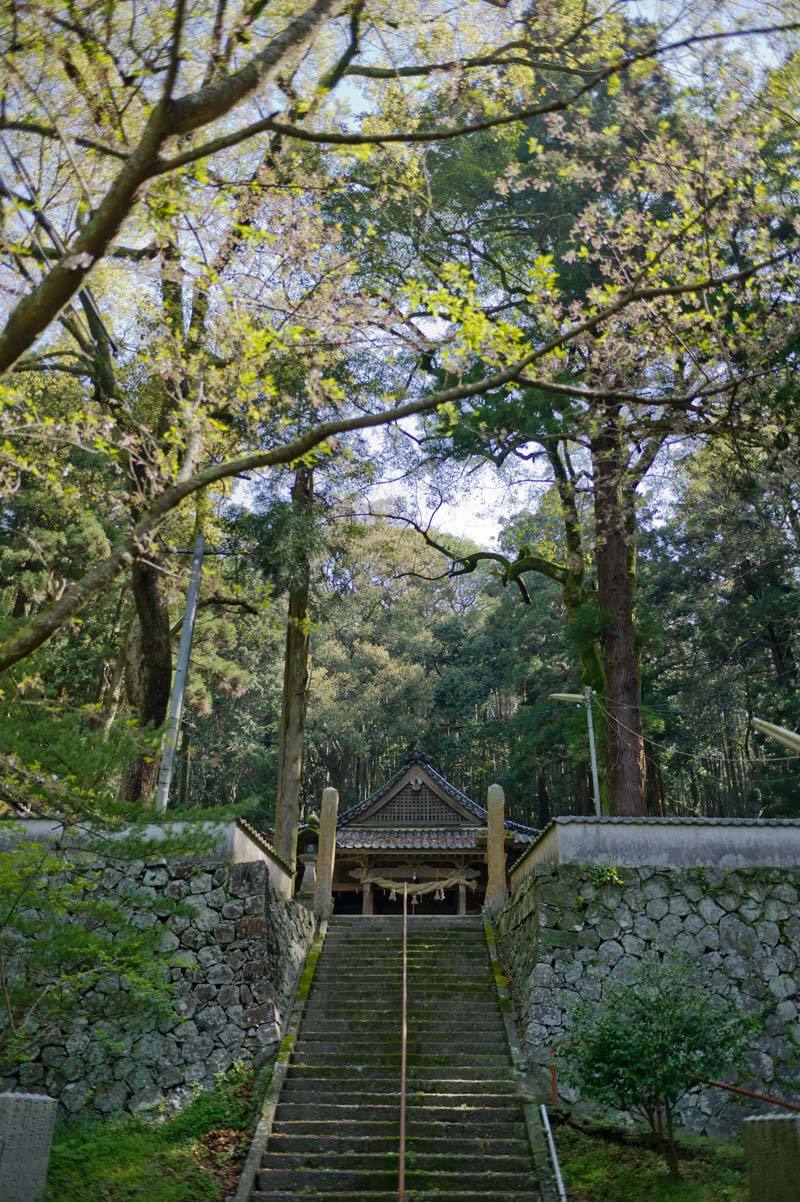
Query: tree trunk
{"type": "Point", "coordinates": [20, 604]}
{"type": "Point", "coordinates": [543, 799]}
{"type": "Point", "coordinates": [627, 771]}
{"type": "Point", "coordinates": [153, 675]}
{"type": "Point", "coordinates": [295, 693]}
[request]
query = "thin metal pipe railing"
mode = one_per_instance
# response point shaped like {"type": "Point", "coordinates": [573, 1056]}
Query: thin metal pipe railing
{"type": "Point", "coordinates": [401, 1168]}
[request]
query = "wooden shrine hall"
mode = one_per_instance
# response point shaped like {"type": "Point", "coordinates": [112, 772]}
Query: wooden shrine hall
{"type": "Point", "coordinates": [421, 829]}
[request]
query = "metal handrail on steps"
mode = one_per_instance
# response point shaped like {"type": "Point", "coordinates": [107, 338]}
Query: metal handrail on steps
{"type": "Point", "coordinates": [551, 1148]}
{"type": "Point", "coordinates": [401, 1168]}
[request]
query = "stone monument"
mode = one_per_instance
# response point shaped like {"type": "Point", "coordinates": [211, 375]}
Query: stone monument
{"type": "Point", "coordinates": [772, 1154]}
{"type": "Point", "coordinates": [26, 1133]}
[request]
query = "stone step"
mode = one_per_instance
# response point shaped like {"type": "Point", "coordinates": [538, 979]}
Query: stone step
{"type": "Point", "coordinates": [335, 1143]}
{"type": "Point", "coordinates": [416, 1071]}
{"type": "Point", "coordinates": [345, 1060]}
{"type": "Point", "coordinates": [425, 1025]}
{"type": "Point", "coordinates": [467, 937]}
{"type": "Point", "coordinates": [389, 1041]}
{"type": "Point", "coordinates": [336, 1128]}
{"type": "Point", "coordinates": [376, 972]}
{"type": "Point", "coordinates": [346, 919]}
{"type": "Point", "coordinates": [433, 1162]}
{"type": "Point", "coordinates": [506, 1113]}
{"type": "Point", "coordinates": [392, 1036]}
{"type": "Point", "coordinates": [393, 948]}
{"type": "Point", "coordinates": [356, 1124]}
{"type": "Point", "coordinates": [270, 1180]}
{"type": "Point", "coordinates": [470, 1008]}
{"type": "Point", "coordinates": [461, 1195]}
{"type": "Point", "coordinates": [362, 990]}
{"type": "Point", "coordinates": [304, 1083]}
{"type": "Point", "coordinates": [420, 1100]}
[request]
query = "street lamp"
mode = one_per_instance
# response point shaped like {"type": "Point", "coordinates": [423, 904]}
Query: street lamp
{"type": "Point", "coordinates": [787, 737]}
{"type": "Point", "coordinates": [585, 698]}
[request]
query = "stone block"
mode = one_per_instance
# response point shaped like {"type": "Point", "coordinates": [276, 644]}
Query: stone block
{"type": "Point", "coordinates": [609, 953]}
{"type": "Point", "coordinates": [657, 908]}
{"type": "Point", "coordinates": [112, 1100]}
{"type": "Point", "coordinates": [548, 938]}
{"type": "Point", "coordinates": [259, 968]}
{"type": "Point", "coordinates": [710, 911]}
{"type": "Point", "coordinates": [657, 886]}
{"type": "Point", "coordinates": [258, 1015]}
{"type": "Point", "coordinates": [785, 958]}
{"type": "Point", "coordinates": [168, 942]}
{"type": "Point", "coordinates": [157, 877]}
{"type": "Point", "coordinates": [776, 910]}
{"type": "Point", "coordinates": [772, 1154]}
{"type": "Point", "coordinates": [212, 1018]}
{"type": "Point", "coordinates": [736, 936]}
{"type": "Point", "coordinates": [248, 880]}
{"type": "Point", "coordinates": [26, 1133]}
{"type": "Point", "coordinates": [250, 928]}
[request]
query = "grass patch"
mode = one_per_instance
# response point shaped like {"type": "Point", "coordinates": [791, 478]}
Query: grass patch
{"type": "Point", "coordinates": [195, 1155]}
{"type": "Point", "coordinates": [598, 1171]}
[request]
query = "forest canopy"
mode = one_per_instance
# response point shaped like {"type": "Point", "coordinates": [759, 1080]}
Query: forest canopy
{"type": "Point", "coordinates": [462, 340]}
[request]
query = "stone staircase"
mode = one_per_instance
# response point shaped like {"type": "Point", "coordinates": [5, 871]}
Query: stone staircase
{"type": "Point", "coordinates": [335, 1134]}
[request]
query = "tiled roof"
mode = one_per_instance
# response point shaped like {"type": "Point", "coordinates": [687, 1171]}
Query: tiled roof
{"type": "Point", "coordinates": [645, 820]}
{"type": "Point", "coordinates": [446, 838]}
{"type": "Point", "coordinates": [524, 833]}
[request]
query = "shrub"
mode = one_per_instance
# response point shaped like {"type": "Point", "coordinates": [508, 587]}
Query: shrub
{"type": "Point", "coordinates": [653, 1038]}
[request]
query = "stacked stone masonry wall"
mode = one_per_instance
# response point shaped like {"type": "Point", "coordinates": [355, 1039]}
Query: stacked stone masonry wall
{"type": "Point", "coordinates": [237, 957]}
{"type": "Point", "coordinates": [572, 929]}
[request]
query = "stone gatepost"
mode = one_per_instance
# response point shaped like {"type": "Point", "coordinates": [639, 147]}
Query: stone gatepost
{"type": "Point", "coordinates": [772, 1155]}
{"type": "Point", "coordinates": [496, 849]}
{"type": "Point", "coordinates": [26, 1133]}
{"type": "Point", "coordinates": [326, 857]}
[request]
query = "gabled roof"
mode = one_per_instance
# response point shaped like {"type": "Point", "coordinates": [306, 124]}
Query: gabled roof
{"type": "Point", "coordinates": [461, 800]}
{"type": "Point", "coordinates": [385, 791]}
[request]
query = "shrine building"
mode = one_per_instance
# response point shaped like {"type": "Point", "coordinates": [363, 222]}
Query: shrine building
{"type": "Point", "coordinates": [421, 829]}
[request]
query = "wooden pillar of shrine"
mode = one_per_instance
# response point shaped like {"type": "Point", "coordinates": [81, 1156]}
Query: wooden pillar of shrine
{"type": "Point", "coordinates": [367, 899]}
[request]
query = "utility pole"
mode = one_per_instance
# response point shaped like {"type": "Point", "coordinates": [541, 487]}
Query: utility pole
{"type": "Point", "coordinates": [585, 698]}
{"type": "Point", "coordinates": [178, 690]}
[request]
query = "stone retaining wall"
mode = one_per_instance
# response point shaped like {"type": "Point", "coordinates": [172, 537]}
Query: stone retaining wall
{"type": "Point", "coordinates": [237, 960]}
{"type": "Point", "coordinates": [571, 929]}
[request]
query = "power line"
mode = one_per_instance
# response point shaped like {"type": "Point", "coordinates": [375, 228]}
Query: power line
{"type": "Point", "coordinates": [677, 751]}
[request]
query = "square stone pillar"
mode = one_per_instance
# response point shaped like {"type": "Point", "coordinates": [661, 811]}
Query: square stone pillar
{"type": "Point", "coordinates": [495, 849]}
{"type": "Point", "coordinates": [26, 1133]}
{"type": "Point", "coordinates": [326, 857]}
{"type": "Point", "coordinates": [772, 1156]}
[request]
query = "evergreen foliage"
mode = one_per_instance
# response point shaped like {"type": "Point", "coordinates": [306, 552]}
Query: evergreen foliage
{"type": "Point", "coordinates": [655, 1036]}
